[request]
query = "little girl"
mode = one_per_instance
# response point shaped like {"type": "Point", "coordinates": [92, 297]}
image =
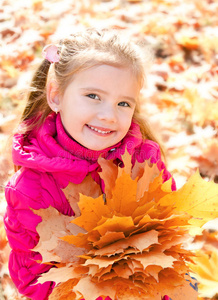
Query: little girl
{"type": "Point", "coordinates": [83, 103]}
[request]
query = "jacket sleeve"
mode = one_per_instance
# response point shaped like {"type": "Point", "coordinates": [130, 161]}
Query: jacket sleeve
{"type": "Point", "coordinates": [20, 224]}
{"type": "Point", "coordinates": [151, 150]}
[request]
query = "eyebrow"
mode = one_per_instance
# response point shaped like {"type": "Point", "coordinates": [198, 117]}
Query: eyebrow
{"type": "Point", "coordinates": [131, 99]}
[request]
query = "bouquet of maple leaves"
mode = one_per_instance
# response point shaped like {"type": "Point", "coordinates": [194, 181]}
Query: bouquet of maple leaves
{"type": "Point", "coordinates": [128, 243]}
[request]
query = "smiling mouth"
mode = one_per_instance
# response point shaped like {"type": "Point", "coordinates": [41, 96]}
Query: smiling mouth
{"type": "Point", "coordinates": [99, 130]}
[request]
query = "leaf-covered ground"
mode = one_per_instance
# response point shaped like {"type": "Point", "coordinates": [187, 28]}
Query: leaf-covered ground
{"type": "Point", "coordinates": [180, 100]}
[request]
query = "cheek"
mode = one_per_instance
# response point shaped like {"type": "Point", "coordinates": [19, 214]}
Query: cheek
{"type": "Point", "coordinates": [127, 121]}
{"type": "Point", "coordinates": [130, 116]}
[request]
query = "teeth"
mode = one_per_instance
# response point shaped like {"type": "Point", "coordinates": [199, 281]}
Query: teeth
{"type": "Point", "coordinates": [98, 130]}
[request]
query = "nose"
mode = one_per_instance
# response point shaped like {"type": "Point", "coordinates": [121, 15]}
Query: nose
{"type": "Point", "coordinates": [107, 113]}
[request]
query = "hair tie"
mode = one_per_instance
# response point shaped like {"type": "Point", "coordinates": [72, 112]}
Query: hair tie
{"type": "Point", "coordinates": [50, 52]}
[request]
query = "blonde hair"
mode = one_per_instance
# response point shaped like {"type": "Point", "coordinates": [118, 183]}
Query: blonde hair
{"type": "Point", "coordinates": [78, 52]}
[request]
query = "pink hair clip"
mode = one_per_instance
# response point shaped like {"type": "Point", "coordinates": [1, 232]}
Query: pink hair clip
{"type": "Point", "coordinates": [50, 52]}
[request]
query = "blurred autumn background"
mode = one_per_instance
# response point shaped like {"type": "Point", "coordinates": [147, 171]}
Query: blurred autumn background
{"type": "Point", "coordinates": [180, 100]}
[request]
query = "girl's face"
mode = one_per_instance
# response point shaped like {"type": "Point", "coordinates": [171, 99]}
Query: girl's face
{"type": "Point", "coordinates": [98, 105]}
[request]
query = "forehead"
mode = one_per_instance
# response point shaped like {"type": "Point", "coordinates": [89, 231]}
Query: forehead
{"type": "Point", "coordinates": [107, 76]}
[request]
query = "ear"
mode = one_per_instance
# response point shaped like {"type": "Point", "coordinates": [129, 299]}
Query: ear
{"type": "Point", "coordinates": [53, 96]}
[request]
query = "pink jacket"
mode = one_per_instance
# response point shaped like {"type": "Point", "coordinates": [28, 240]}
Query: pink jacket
{"type": "Point", "coordinates": [49, 160]}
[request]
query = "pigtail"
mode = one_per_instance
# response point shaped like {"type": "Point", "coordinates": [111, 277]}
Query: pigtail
{"type": "Point", "coordinates": [36, 109]}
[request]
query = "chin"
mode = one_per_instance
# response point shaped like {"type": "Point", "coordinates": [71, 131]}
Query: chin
{"type": "Point", "coordinates": [96, 148]}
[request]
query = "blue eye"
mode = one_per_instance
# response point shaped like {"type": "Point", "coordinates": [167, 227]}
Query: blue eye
{"type": "Point", "coordinates": [125, 104]}
{"type": "Point", "coordinates": [93, 96]}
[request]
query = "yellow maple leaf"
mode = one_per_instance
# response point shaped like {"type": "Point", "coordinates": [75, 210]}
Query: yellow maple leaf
{"type": "Point", "coordinates": [197, 197]}
{"type": "Point", "coordinates": [206, 272]}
